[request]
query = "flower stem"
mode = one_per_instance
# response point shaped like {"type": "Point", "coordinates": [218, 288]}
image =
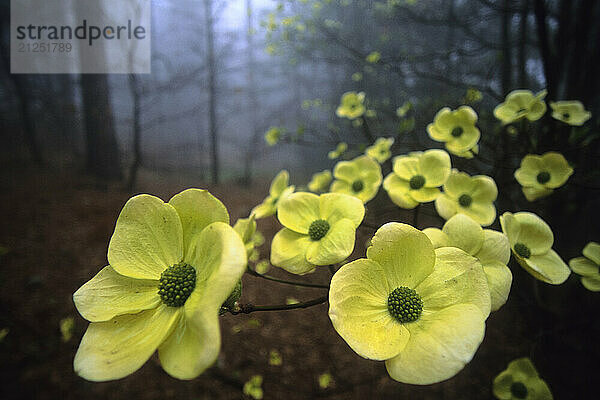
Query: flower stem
{"type": "Point", "coordinates": [416, 216]}
{"type": "Point", "coordinates": [250, 308]}
{"type": "Point", "coordinates": [295, 283]}
{"type": "Point", "coordinates": [367, 131]}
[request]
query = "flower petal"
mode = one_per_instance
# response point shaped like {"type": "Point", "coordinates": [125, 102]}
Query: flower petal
{"type": "Point", "coordinates": [397, 189]}
{"type": "Point", "coordinates": [548, 267]}
{"type": "Point", "coordinates": [445, 206]}
{"type": "Point", "coordinates": [538, 390]}
{"type": "Point", "coordinates": [484, 189]}
{"type": "Point", "coordinates": [495, 247]}
{"type": "Point", "coordinates": [502, 384]}
{"type": "Point", "coordinates": [591, 283]}
{"type": "Point", "coordinates": [116, 348]}
{"type": "Point", "coordinates": [499, 280]}
{"type": "Point", "coordinates": [279, 184]}
{"type": "Point", "coordinates": [463, 232]}
{"type": "Point", "coordinates": [532, 193]}
{"type": "Point", "coordinates": [484, 213]}
{"type": "Point", "coordinates": [435, 167]}
{"type": "Point", "coordinates": [457, 278]}
{"type": "Point", "coordinates": [148, 238]}
{"type": "Point", "coordinates": [334, 207]}
{"type": "Point", "coordinates": [335, 246]}
{"type": "Point", "coordinates": [406, 167]}
{"type": "Point", "coordinates": [534, 233]}
{"type": "Point", "coordinates": [359, 313]}
{"type": "Point", "coordinates": [425, 194]}
{"type": "Point", "coordinates": [197, 209]}
{"type": "Point", "coordinates": [298, 211]}
{"type": "Point", "coordinates": [440, 345]}
{"type": "Point", "coordinates": [531, 166]}
{"type": "Point", "coordinates": [437, 237]}
{"type": "Point", "coordinates": [346, 171]}
{"type": "Point", "coordinates": [558, 167]}
{"type": "Point", "coordinates": [288, 251]}
{"type": "Point", "coordinates": [405, 253]}
{"type": "Point", "coordinates": [109, 294]}
{"type": "Point", "coordinates": [592, 251]}
{"type": "Point", "coordinates": [458, 183]}
{"type": "Point", "coordinates": [583, 266]}
{"type": "Point", "coordinates": [192, 347]}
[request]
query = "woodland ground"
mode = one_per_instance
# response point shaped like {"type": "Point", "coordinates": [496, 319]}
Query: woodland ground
{"type": "Point", "coordinates": [56, 228]}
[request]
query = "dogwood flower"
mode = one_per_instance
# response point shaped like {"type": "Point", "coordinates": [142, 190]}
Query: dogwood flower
{"type": "Point", "coordinates": [472, 196]}
{"type": "Point", "coordinates": [540, 175]}
{"type": "Point", "coordinates": [531, 242]}
{"type": "Point", "coordinates": [380, 150]}
{"type": "Point", "coordinates": [351, 105]}
{"type": "Point", "coordinates": [279, 189]}
{"type": "Point", "coordinates": [520, 381]}
{"type": "Point", "coordinates": [421, 310]}
{"type": "Point", "coordinates": [172, 266]}
{"type": "Point", "coordinates": [521, 104]}
{"type": "Point", "coordinates": [320, 181]}
{"type": "Point", "coordinates": [339, 150]}
{"type": "Point", "coordinates": [360, 178]}
{"type": "Point", "coordinates": [570, 112]}
{"type": "Point", "coordinates": [318, 230]}
{"type": "Point", "coordinates": [456, 128]}
{"type": "Point", "coordinates": [416, 177]}
{"type": "Point", "coordinates": [490, 247]}
{"type": "Point", "coordinates": [588, 266]}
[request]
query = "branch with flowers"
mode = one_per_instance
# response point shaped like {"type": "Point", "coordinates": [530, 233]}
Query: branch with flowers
{"type": "Point", "coordinates": [418, 300]}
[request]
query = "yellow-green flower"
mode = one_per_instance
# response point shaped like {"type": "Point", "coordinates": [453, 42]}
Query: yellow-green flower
{"type": "Point", "coordinates": [252, 238]}
{"type": "Point", "coordinates": [279, 189]}
{"type": "Point", "coordinates": [570, 112]}
{"type": "Point", "coordinates": [320, 181]}
{"type": "Point", "coordinates": [473, 196]}
{"type": "Point", "coordinates": [521, 104]}
{"type": "Point", "coordinates": [473, 96]}
{"type": "Point", "coordinates": [380, 151]}
{"type": "Point", "coordinates": [373, 57]}
{"type": "Point", "coordinates": [491, 248]}
{"type": "Point", "coordinates": [531, 241]}
{"type": "Point", "coordinates": [339, 150]}
{"type": "Point", "coordinates": [416, 177]}
{"type": "Point", "coordinates": [457, 130]}
{"type": "Point", "coordinates": [360, 178]}
{"type": "Point", "coordinates": [540, 175]}
{"type": "Point", "coordinates": [587, 266]}
{"type": "Point", "coordinates": [520, 381]}
{"type": "Point", "coordinates": [421, 310]}
{"type": "Point", "coordinates": [403, 109]}
{"type": "Point", "coordinates": [273, 135]}
{"type": "Point", "coordinates": [172, 265]}
{"type": "Point", "coordinates": [253, 387]}
{"type": "Point", "coordinates": [318, 230]}
{"type": "Point", "coordinates": [351, 105]}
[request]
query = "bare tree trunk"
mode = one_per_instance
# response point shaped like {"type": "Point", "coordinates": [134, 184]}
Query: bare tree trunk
{"type": "Point", "coordinates": [252, 100]}
{"type": "Point", "coordinates": [137, 132]}
{"type": "Point", "coordinates": [102, 150]}
{"type": "Point", "coordinates": [522, 49]}
{"type": "Point", "coordinates": [212, 92]}
{"type": "Point", "coordinates": [506, 48]}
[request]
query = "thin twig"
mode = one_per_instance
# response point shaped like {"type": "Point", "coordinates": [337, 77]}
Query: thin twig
{"type": "Point", "coordinates": [250, 308]}
{"type": "Point", "coordinates": [295, 283]}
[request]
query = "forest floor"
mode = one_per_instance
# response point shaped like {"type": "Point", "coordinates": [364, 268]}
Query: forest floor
{"type": "Point", "coordinates": [56, 228]}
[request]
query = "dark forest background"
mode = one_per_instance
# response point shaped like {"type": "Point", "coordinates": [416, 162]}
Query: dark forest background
{"type": "Point", "coordinates": [73, 148]}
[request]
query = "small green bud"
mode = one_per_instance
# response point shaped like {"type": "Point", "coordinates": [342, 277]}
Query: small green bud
{"type": "Point", "coordinates": [176, 284]}
{"type": "Point", "coordinates": [465, 200]}
{"type": "Point", "coordinates": [457, 132]}
{"type": "Point", "coordinates": [232, 299]}
{"type": "Point", "coordinates": [522, 250]}
{"type": "Point", "coordinates": [518, 390]}
{"type": "Point", "coordinates": [357, 186]}
{"type": "Point", "coordinates": [543, 177]}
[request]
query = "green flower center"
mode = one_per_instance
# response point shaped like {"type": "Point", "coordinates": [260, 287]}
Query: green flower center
{"type": "Point", "coordinates": [522, 110]}
{"type": "Point", "coordinates": [566, 115]}
{"type": "Point", "coordinates": [522, 250]}
{"type": "Point", "coordinates": [543, 177]}
{"type": "Point", "coordinates": [417, 182]}
{"type": "Point", "coordinates": [176, 284]}
{"type": "Point", "coordinates": [465, 200]}
{"type": "Point", "coordinates": [405, 304]}
{"type": "Point", "coordinates": [318, 229]}
{"type": "Point", "coordinates": [357, 186]}
{"type": "Point", "coordinates": [457, 132]}
{"type": "Point", "coordinates": [518, 390]}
